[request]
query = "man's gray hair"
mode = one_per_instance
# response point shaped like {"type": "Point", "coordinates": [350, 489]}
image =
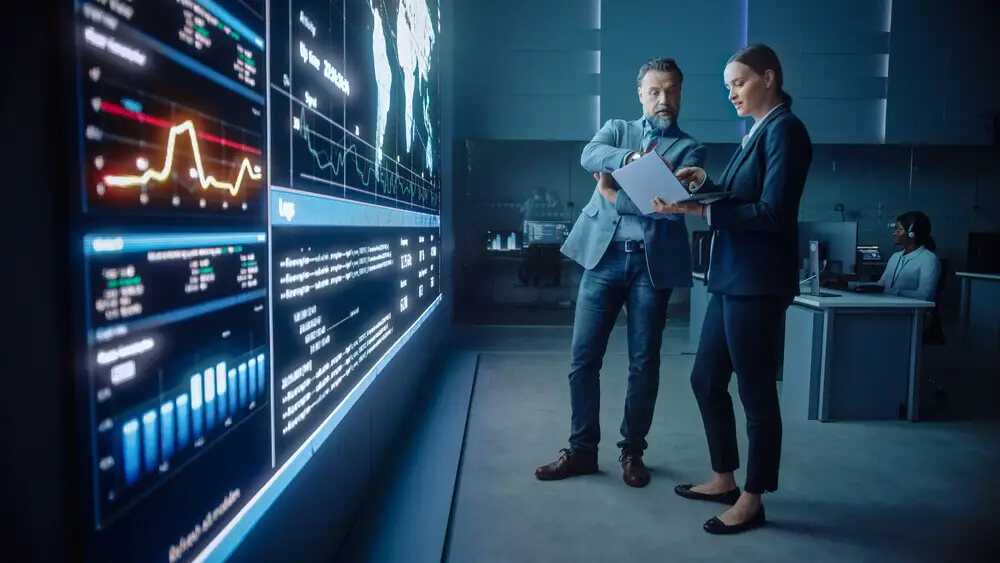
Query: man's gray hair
{"type": "Point", "coordinates": [662, 64]}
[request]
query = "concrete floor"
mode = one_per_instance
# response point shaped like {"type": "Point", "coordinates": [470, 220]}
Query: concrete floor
{"type": "Point", "coordinates": [849, 492]}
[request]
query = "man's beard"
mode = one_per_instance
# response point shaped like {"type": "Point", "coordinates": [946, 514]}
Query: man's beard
{"type": "Point", "coordinates": [660, 121]}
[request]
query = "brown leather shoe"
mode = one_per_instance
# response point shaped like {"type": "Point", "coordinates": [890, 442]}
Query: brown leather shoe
{"type": "Point", "coordinates": [569, 464]}
{"type": "Point", "coordinates": [634, 471]}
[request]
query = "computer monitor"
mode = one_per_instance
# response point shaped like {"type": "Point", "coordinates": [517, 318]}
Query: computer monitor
{"type": "Point", "coordinates": [545, 232]}
{"type": "Point", "coordinates": [838, 245]}
{"type": "Point", "coordinates": [870, 253]}
{"type": "Point", "coordinates": [502, 241]}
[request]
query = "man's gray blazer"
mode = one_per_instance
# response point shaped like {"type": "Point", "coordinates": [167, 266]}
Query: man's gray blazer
{"type": "Point", "coordinates": [668, 253]}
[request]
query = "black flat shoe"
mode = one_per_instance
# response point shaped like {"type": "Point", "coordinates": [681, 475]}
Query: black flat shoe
{"type": "Point", "coordinates": [728, 497]}
{"type": "Point", "coordinates": [719, 528]}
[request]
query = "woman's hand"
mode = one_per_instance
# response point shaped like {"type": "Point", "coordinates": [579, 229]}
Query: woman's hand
{"type": "Point", "coordinates": [692, 177]}
{"type": "Point", "coordinates": [685, 208]}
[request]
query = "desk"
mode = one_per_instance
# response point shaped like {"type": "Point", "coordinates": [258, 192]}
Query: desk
{"type": "Point", "coordinates": [501, 272]}
{"type": "Point", "coordinates": [852, 357]}
{"type": "Point", "coordinates": [980, 309]}
{"type": "Point", "coordinates": [872, 369]}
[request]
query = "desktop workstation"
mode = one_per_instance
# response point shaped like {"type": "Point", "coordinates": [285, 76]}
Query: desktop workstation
{"type": "Point", "coordinates": [837, 251]}
{"type": "Point", "coordinates": [525, 267]}
{"type": "Point", "coordinates": [847, 355]}
{"type": "Point", "coordinates": [543, 258]}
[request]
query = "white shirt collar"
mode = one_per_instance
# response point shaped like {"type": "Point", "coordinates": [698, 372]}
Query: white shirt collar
{"type": "Point", "coordinates": [756, 124]}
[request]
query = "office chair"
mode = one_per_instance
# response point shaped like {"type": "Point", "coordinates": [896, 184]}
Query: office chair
{"type": "Point", "coordinates": [934, 331]}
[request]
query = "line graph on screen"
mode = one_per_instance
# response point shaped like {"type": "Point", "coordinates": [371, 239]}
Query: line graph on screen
{"type": "Point", "coordinates": [362, 94]}
{"type": "Point", "coordinates": [155, 153]}
{"type": "Point", "coordinates": [391, 181]}
{"type": "Point", "coordinates": [246, 170]}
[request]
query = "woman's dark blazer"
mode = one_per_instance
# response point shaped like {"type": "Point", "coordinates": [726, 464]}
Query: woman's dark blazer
{"type": "Point", "coordinates": [755, 250]}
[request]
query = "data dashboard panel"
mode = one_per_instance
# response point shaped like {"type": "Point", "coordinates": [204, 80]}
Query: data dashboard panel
{"type": "Point", "coordinates": [343, 293]}
{"type": "Point", "coordinates": [152, 147]}
{"type": "Point", "coordinates": [354, 102]}
{"type": "Point", "coordinates": [179, 350]}
{"type": "Point", "coordinates": [257, 234]}
{"type": "Point", "coordinates": [171, 284]}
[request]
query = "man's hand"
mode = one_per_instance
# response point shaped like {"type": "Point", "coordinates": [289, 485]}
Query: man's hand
{"type": "Point", "coordinates": [692, 177]}
{"type": "Point", "coordinates": [685, 208]}
{"type": "Point", "coordinates": [606, 184]}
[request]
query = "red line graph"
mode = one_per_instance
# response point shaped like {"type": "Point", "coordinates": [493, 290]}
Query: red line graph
{"type": "Point", "coordinates": [114, 109]}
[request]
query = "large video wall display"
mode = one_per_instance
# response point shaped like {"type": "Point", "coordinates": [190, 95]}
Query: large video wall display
{"type": "Point", "coordinates": [257, 233]}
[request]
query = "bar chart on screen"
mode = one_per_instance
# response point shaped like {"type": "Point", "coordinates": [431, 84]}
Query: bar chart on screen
{"type": "Point", "coordinates": [141, 446]}
{"type": "Point", "coordinates": [179, 353]}
{"type": "Point", "coordinates": [159, 436]}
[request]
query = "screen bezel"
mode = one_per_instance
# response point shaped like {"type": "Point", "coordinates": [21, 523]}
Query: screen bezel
{"type": "Point", "coordinates": [69, 79]}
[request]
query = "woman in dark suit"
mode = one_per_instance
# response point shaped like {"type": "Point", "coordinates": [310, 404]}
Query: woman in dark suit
{"type": "Point", "coordinates": [753, 277]}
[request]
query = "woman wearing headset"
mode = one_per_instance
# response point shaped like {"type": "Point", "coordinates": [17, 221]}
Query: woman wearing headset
{"type": "Point", "coordinates": [915, 270]}
{"type": "Point", "coordinates": [753, 277]}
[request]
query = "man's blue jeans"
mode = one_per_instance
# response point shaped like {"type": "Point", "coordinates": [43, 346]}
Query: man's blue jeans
{"type": "Point", "coordinates": [619, 279]}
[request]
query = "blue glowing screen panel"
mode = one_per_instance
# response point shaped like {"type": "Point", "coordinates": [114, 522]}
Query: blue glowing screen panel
{"type": "Point", "coordinates": [256, 232]}
{"type": "Point", "coordinates": [502, 241]}
{"type": "Point", "coordinates": [546, 232]}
